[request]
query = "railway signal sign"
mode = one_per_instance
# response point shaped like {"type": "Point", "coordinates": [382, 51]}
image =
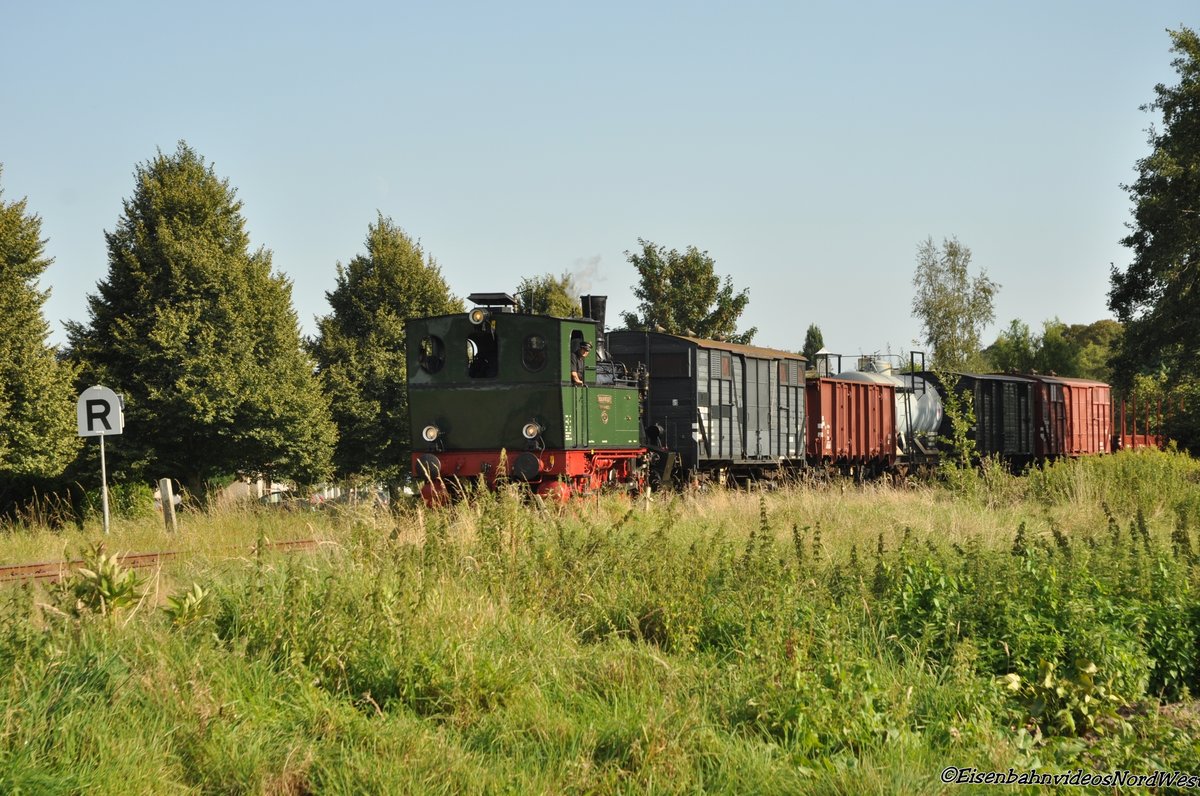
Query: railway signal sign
{"type": "Point", "coordinates": [101, 413]}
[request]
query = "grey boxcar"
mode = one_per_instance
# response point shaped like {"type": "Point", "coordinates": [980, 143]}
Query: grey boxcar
{"type": "Point", "coordinates": [721, 407]}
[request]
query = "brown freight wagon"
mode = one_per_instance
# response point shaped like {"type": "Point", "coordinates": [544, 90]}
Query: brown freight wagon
{"type": "Point", "coordinates": [1073, 417]}
{"type": "Point", "coordinates": [851, 424]}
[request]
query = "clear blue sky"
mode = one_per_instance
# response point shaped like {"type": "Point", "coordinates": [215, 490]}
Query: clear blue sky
{"type": "Point", "coordinates": [808, 147]}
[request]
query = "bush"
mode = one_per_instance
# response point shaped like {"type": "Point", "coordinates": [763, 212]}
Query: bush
{"type": "Point", "coordinates": [126, 500]}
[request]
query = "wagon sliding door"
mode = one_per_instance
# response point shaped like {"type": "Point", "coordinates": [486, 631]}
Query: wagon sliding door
{"type": "Point", "coordinates": [759, 395]}
{"type": "Point", "coordinates": [790, 425]}
{"type": "Point", "coordinates": [721, 413]}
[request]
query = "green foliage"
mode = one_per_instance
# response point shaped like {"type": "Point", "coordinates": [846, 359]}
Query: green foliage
{"type": "Point", "coordinates": [550, 295]}
{"type": "Point", "coordinates": [360, 347]}
{"type": "Point", "coordinates": [201, 338]}
{"type": "Point", "coordinates": [1183, 420]}
{"type": "Point", "coordinates": [187, 606]}
{"type": "Point", "coordinates": [1076, 350]}
{"type": "Point", "coordinates": [37, 392]}
{"type": "Point", "coordinates": [1057, 354]}
{"type": "Point", "coordinates": [1015, 349]}
{"type": "Point", "coordinates": [958, 463]}
{"type": "Point", "coordinates": [1148, 481]}
{"type": "Point", "coordinates": [681, 293]}
{"type": "Point", "coordinates": [1070, 704]}
{"type": "Point", "coordinates": [129, 500]}
{"type": "Point", "coordinates": [101, 586]}
{"type": "Point", "coordinates": [814, 341]}
{"type": "Point", "coordinates": [1097, 344]}
{"type": "Point", "coordinates": [1156, 296]}
{"type": "Point", "coordinates": [953, 307]}
{"type": "Point", "coordinates": [1073, 637]}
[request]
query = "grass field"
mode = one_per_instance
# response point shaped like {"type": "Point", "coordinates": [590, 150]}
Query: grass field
{"type": "Point", "coordinates": [817, 639]}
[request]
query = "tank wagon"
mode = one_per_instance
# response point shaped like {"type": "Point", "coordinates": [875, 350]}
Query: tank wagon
{"type": "Point", "coordinates": [490, 396]}
{"type": "Point", "coordinates": [717, 410]}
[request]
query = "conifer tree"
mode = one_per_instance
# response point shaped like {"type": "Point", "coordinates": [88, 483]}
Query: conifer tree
{"type": "Point", "coordinates": [37, 392]}
{"type": "Point", "coordinates": [201, 338]}
{"type": "Point", "coordinates": [814, 341]}
{"type": "Point", "coordinates": [360, 348]}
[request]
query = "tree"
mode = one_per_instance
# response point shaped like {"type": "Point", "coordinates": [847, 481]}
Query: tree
{"type": "Point", "coordinates": [1077, 350]}
{"type": "Point", "coordinates": [1157, 295]}
{"type": "Point", "coordinates": [1015, 349]}
{"type": "Point", "coordinates": [1058, 352]}
{"type": "Point", "coordinates": [37, 391]}
{"type": "Point", "coordinates": [201, 338]}
{"type": "Point", "coordinates": [682, 294]}
{"type": "Point", "coordinates": [813, 342]}
{"type": "Point", "coordinates": [360, 348]}
{"type": "Point", "coordinates": [953, 307]}
{"type": "Point", "coordinates": [1097, 343]}
{"type": "Point", "coordinates": [550, 295]}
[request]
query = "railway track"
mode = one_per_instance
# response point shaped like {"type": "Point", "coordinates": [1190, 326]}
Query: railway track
{"type": "Point", "coordinates": [57, 570]}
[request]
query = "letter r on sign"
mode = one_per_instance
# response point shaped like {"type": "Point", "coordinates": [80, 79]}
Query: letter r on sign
{"type": "Point", "coordinates": [98, 409]}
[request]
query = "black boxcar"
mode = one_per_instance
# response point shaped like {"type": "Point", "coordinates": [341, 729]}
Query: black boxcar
{"type": "Point", "coordinates": [720, 407]}
{"type": "Point", "coordinates": [1004, 407]}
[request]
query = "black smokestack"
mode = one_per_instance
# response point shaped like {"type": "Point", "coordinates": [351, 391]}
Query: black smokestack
{"type": "Point", "coordinates": [593, 307]}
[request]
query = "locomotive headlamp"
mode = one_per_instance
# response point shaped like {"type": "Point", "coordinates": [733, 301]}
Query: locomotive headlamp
{"type": "Point", "coordinates": [531, 430]}
{"type": "Point", "coordinates": [478, 315]}
{"type": "Point", "coordinates": [430, 433]}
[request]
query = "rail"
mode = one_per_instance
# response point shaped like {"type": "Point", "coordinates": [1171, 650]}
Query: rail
{"type": "Point", "coordinates": [57, 570]}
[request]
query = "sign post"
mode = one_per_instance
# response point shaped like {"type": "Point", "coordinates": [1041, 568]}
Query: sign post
{"type": "Point", "coordinates": [166, 499]}
{"type": "Point", "coordinates": [101, 412]}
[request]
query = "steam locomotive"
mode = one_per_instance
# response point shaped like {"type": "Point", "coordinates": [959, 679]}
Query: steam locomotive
{"type": "Point", "coordinates": [491, 398]}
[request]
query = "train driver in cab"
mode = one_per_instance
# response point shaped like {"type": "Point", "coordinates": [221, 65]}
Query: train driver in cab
{"type": "Point", "coordinates": [577, 360]}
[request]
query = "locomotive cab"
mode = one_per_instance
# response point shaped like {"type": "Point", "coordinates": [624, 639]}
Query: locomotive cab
{"type": "Point", "coordinates": [491, 396]}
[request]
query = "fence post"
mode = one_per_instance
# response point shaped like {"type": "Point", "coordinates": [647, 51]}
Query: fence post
{"type": "Point", "coordinates": [167, 499]}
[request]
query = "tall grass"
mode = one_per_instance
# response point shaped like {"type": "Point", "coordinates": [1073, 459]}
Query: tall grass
{"type": "Point", "coordinates": [828, 639]}
{"type": "Point", "coordinates": [1149, 481]}
{"type": "Point", "coordinates": [223, 532]}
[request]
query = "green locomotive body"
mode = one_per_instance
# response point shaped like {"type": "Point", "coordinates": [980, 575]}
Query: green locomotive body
{"type": "Point", "coordinates": [490, 395]}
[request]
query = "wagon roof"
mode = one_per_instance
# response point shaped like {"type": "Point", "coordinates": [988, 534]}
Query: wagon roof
{"type": "Point", "coordinates": [989, 376]}
{"type": "Point", "coordinates": [748, 350]}
{"type": "Point", "coordinates": [1066, 379]}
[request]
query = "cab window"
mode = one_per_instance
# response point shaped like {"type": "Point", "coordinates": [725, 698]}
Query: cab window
{"type": "Point", "coordinates": [431, 354]}
{"type": "Point", "coordinates": [534, 353]}
{"type": "Point", "coordinates": [483, 361]}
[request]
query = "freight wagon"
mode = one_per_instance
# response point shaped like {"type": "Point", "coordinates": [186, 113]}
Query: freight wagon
{"type": "Point", "coordinates": [721, 409]}
{"type": "Point", "coordinates": [1073, 417]}
{"type": "Point", "coordinates": [851, 425]}
{"type": "Point", "coordinates": [1004, 414]}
